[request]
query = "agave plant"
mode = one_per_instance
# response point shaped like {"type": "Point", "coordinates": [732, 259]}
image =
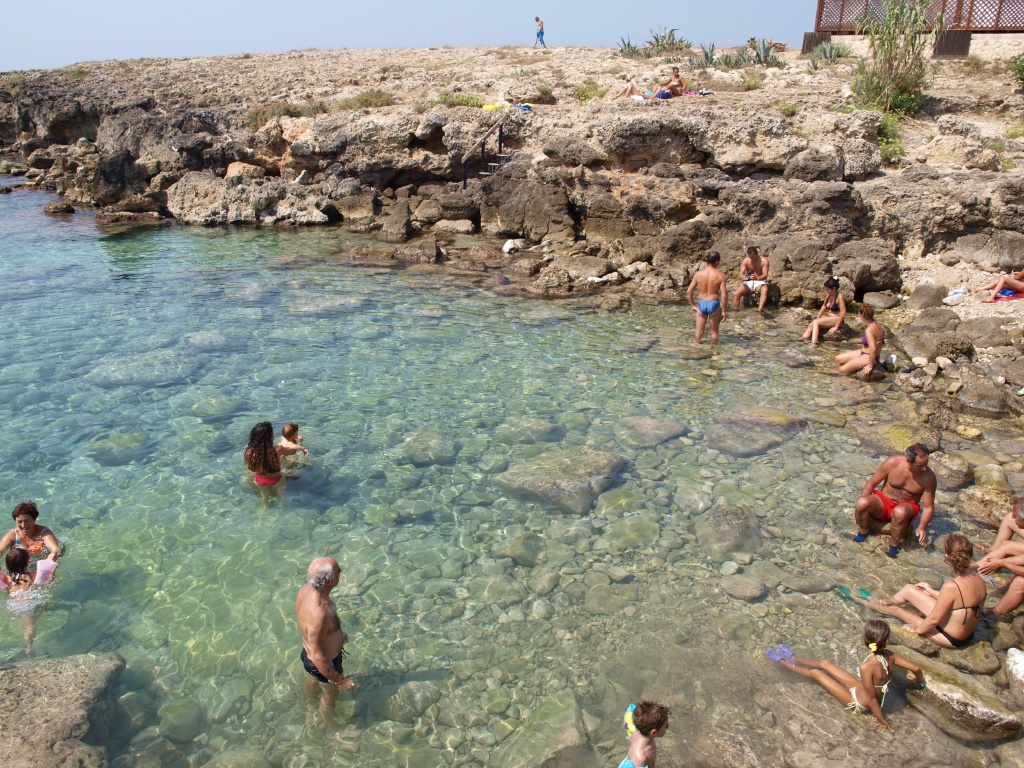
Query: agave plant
{"type": "Point", "coordinates": [666, 41]}
{"type": "Point", "coordinates": [826, 51]}
{"type": "Point", "coordinates": [628, 50]}
{"type": "Point", "coordinates": [765, 55]}
{"type": "Point", "coordinates": [707, 54]}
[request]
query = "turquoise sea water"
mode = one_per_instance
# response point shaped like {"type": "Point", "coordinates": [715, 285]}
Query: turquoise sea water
{"type": "Point", "coordinates": [132, 366]}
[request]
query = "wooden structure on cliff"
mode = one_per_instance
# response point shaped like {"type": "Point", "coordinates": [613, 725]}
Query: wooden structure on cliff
{"type": "Point", "coordinates": [961, 18]}
{"type": "Point", "coordinates": [844, 16]}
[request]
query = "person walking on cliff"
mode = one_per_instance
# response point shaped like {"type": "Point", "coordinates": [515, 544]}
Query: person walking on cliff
{"type": "Point", "coordinates": [540, 33]}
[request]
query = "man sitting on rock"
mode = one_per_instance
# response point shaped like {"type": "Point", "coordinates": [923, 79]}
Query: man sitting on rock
{"type": "Point", "coordinates": [1009, 554]}
{"type": "Point", "coordinates": [753, 278]}
{"type": "Point", "coordinates": [908, 490]}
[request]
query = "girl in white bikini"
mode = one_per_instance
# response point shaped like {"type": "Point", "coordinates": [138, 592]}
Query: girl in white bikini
{"type": "Point", "coordinates": [863, 695]}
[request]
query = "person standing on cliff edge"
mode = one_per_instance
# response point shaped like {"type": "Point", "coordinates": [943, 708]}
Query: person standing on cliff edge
{"type": "Point", "coordinates": [540, 33]}
{"type": "Point", "coordinates": [323, 642]}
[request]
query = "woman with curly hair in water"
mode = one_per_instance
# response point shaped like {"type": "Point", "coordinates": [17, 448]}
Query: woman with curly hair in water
{"type": "Point", "coordinates": [261, 458]}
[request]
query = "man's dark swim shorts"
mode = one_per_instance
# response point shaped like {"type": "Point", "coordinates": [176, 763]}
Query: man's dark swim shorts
{"type": "Point", "coordinates": [310, 667]}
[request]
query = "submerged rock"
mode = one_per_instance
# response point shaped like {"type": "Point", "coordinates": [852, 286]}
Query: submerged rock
{"type": "Point", "coordinates": [724, 530]}
{"type": "Point", "coordinates": [571, 479]}
{"type": "Point", "coordinates": [555, 726]}
{"type": "Point", "coordinates": [894, 437]}
{"type": "Point", "coordinates": [746, 432]}
{"type": "Point", "coordinates": [425, 448]}
{"type": "Point", "coordinates": [648, 431]}
{"type": "Point", "coordinates": [952, 471]}
{"type": "Point", "coordinates": [239, 758]}
{"type": "Point", "coordinates": [984, 506]}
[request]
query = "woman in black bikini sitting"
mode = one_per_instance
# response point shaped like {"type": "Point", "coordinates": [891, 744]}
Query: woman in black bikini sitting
{"type": "Point", "coordinates": [951, 613]}
{"type": "Point", "coordinates": [835, 307]}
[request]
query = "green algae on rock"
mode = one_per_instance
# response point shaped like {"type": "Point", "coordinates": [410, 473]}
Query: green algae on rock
{"type": "Point", "coordinates": [965, 707]}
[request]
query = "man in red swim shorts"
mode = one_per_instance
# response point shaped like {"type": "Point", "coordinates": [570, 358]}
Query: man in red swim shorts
{"type": "Point", "coordinates": [908, 490]}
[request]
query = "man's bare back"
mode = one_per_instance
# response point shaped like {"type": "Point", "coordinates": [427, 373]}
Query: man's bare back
{"type": "Point", "coordinates": [712, 297]}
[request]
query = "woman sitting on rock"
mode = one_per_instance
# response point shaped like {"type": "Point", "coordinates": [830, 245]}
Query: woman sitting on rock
{"type": "Point", "coordinates": [863, 695]}
{"type": "Point", "coordinates": [950, 613]}
{"type": "Point", "coordinates": [865, 360]}
{"type": "Point", "coordinates": [674, 86]}
{"type": "Point", "coordinates": [830, 316]}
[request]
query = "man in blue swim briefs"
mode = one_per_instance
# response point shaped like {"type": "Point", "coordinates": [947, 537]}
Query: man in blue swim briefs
{"type": "Point", "coordinates": [323, 641]}
{"type": "Point", "coordinates": [712, 297]}
{"type": "Point", "coordinates": [540, 33]}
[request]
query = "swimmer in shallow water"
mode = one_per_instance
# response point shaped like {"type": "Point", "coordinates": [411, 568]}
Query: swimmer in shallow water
{"type": "Point", "coordinates": [857, 695]}
{"type": "Point", "coordinates": [261, 458]}
{"type": "Point", "coordinates": [20, 583]}
{"type": "Point", "coordinates": [291, 441]}
{"type": "Point", "coordinates": [29, 535]}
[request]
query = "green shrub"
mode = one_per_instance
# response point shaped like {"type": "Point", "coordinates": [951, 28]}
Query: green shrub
{"type": "Point", "coordinates": [750, 82]}
{"type": "Point", "coordinates": [368, 100]}
{"type": "Point", "coordinates": [544, 90]}
{"type": "Point", "coordinates": [457, 100]}
{"type": "Point", "coordinates": [900, 44]}
{"type": "Point", "coordinates": [890, 143]}
{"type": "Point", "coordinates": [1015, 131]}
{"type": "Point", "coordinates": [259, 116]}
{"type": "Point", "coordinates": [589, 89]}
{"type": "Point", "coordinates": [1017, 70]}
{"type": "Point", "coordinates": [788, 108]}
{"type": "Point", "coordinates": [77, 74]}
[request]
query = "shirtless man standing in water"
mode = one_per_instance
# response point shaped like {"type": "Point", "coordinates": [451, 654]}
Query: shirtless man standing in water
{"type": "Point", "coordinates": [909, 489]}
{"type": "Point", "coordinates": [712, 297]}
{"type": "Point", "coordinates": [322, 639]}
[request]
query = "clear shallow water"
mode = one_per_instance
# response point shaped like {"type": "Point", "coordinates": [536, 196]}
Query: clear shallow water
{"type": "Point", "coordinates": [133, 365]}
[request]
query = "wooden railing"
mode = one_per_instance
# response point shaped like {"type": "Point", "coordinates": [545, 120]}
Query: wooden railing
{"type": "Point", "coordinates": [974, 15]}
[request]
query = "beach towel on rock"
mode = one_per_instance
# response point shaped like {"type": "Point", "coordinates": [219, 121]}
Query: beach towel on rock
{"type": "Point", "coordinates": [1007, 295]}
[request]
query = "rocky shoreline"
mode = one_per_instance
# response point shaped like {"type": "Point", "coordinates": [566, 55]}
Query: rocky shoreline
{"type": "Point", "coordinates": [623, 200]}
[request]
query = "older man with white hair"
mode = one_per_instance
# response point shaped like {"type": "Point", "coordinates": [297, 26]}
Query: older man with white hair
{"type": "Point", "coordinates": [323, 642]}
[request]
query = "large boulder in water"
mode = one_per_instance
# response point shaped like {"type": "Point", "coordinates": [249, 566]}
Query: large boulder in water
{"type": "Point", "coordinates": [57, 709]}
{"type": "Point", "coordinates": [745, 432]}
{"type": "Point", "coordinates": [570, 479]}
{"type": "Point", "coordinates": [967, 707]}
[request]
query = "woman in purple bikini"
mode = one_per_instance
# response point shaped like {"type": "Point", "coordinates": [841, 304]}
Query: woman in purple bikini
{"type": "Point", "coordinates": [867, 358]}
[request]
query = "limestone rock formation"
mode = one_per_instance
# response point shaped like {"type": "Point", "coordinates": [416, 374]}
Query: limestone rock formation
{"type": "Point", "coordinates": [62, 710]}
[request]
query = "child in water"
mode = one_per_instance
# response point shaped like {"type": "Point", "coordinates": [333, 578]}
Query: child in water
{"type": "Point", "coordinates": [17, 584]}
{"type": "Point", "coordinates": [859, 695]}
{"type": "Point", "coordinates": [644, 723]}
{"type": "Point", "coordinates": [290, 441]}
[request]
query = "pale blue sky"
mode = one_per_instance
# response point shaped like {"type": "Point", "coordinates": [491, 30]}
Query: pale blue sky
{"type": "Point", "coordinates": [60, 32]}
